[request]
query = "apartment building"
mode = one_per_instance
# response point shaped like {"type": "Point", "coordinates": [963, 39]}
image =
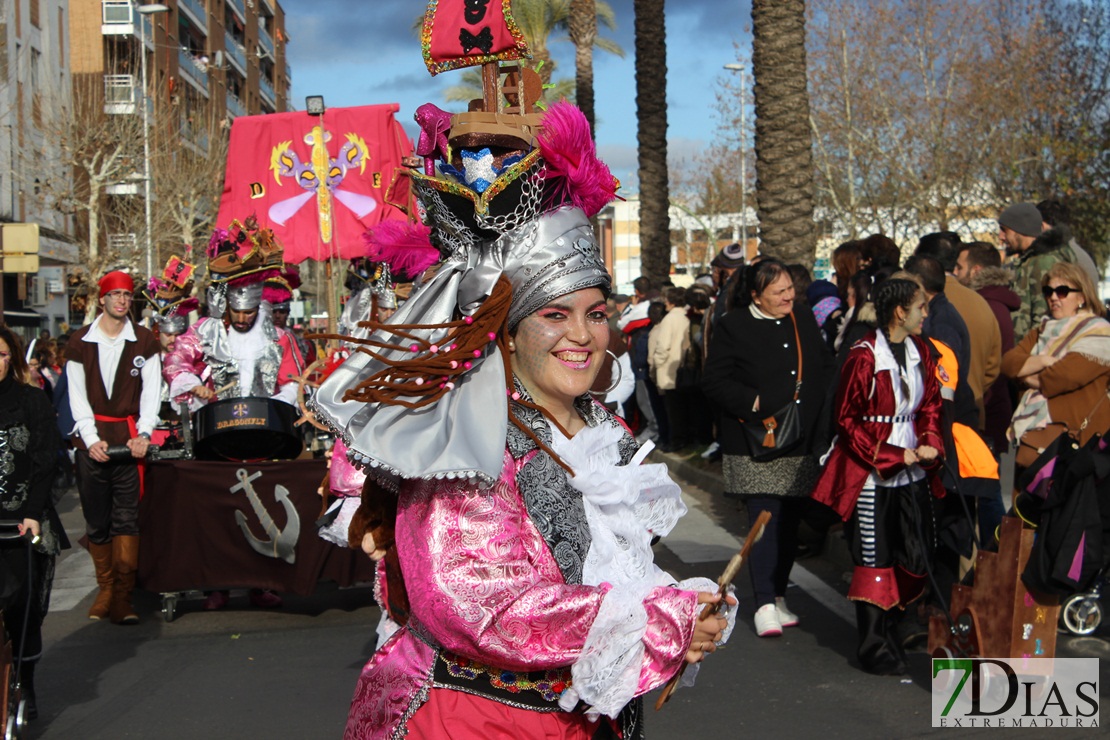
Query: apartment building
{"type": "Point", "coordinates": [34, 78]}
{"type": "Point", "coordinates": [210, 59]}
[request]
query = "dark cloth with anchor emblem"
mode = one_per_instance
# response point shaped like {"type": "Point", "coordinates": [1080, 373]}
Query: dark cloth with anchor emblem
{"type": "Point", "coordinates": [192, 538]}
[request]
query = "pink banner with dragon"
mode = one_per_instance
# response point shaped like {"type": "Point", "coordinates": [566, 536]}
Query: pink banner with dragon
{"type": "Point", "coordinates": [318, 181]}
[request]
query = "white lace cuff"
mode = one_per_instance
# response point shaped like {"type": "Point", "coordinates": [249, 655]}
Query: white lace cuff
{"type": "Point", "coordinates": [607, 673]}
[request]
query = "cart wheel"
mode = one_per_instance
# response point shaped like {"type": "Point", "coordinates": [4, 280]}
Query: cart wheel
{"type": "Point", "coordinates": [169, 604]}
{"type": "Point", "coordinates": [17, 722]}
{"type": "Point", "coordinates": [1081, 614]}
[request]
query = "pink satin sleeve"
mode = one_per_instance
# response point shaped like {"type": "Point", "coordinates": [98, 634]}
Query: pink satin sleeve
{"type": "Point", "coordinates": [344, 479]}
{"type": "Point", "coordinates": [481, 581]}
{"type": "Point", "coordinates": [671, 617]}
{"type": "Point", "coordinates": [187, 357]}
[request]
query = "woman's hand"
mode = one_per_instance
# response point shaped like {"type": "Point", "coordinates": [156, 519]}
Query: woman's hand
{"type": "Point", "coordinates": [30, 525]}
{"type": "Point", "coordinates": [707, 632]}
{"type": "Point", "coordinates": [909, 456]}
{"type": "Point", "coordinates": [203, 392]}
{"type": "Point", "coordinates": [926, 453]}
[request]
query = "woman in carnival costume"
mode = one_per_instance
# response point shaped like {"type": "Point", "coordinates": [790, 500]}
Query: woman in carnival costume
{"type": "Point", "coordinates": [512, 512]}
{"type": "Point", "coordinates": [884, 467]}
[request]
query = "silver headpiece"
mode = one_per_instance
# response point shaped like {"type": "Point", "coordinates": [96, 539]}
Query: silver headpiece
{"type": "Point", "coordinates": [244, 297]}
{"type": "Point", "coordinates": [173, 323]}
{"type": "Point", "coordinates": [463, 433]}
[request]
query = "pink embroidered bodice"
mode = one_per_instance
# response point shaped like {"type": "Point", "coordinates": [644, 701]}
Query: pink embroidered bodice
{"type": "Point", "coordinates": [483, 585]}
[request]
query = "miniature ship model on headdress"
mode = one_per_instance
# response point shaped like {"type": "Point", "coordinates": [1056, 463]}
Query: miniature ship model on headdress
{"type": "Point", "coordinates": [506, 194]}
{"type": "Point", "coordinates": [171, 296]}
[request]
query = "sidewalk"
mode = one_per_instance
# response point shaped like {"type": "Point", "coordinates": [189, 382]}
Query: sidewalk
{"type": "Point", "coordinates": [692, 469]}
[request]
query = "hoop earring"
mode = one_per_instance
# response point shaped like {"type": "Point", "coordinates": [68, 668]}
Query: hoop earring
{"type": "Point", "coordinates": [620, 374]}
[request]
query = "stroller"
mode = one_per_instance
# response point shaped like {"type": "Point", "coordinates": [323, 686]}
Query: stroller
{"type": "Point", "coordinates": [1081, 613]}
{"type": "Point", "coordinates": [1065, 495]}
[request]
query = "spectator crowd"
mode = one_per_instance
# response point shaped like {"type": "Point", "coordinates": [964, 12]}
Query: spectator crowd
{"type": "Point", "coordinates": [889, 397]}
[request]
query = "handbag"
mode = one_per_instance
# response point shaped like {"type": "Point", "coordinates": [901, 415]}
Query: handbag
{"type": "Point", "coordinates": [781, 432]}
{"type": "Point", "coordinates": [1035, 442]}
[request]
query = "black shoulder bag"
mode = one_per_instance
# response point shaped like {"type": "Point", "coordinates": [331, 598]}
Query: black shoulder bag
{"type": "Point", "coordinates": [778, 434]}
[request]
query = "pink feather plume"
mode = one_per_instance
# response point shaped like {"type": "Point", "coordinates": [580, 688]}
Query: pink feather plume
{"type": "Point", "coordinates": [574, 172]}
{"type": "Point", "coordinates": [275, 294]}
{"type": "Point", "coordinates": [407, 247]}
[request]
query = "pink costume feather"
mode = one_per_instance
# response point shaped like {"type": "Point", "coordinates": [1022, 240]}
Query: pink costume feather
{"type": "Point", "coordinates": [574, 172]}
{"type": "Point", "coordinates": [407, 247]}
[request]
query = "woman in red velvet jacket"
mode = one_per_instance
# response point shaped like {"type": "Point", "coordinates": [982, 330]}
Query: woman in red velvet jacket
{"type": "Point", "coordinates": [877, 475]}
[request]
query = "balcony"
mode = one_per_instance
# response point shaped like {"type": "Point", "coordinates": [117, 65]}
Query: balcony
{"type": "Point", "coordinates": [265, 41]}
{"type": "Point", "coordinates": [237, 6]}
{"type": "Point", "coordinates": [194, 11]}
{"type": "Point", "coordinates": [267, 91]}
{"type": "Point", "coordinates": [235, 106]}
{"type": "Point", "coordinates": [236, 53]}
{"type": "Point", "coordinates": [118, 19]}
{"type": "Point", "coordinates": [115, 18]}
{"type": "Point", "coordinates": [193, 70]}
{"type": "Point", "coordinates": [120, 94]}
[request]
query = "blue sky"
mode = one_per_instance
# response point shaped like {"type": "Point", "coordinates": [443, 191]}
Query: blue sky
{"type": "Point", "coordinates": [360, 52]}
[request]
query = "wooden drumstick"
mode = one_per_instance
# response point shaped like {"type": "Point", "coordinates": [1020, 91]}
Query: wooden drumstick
{"type": "Point", "coordinates": [227, 387]}
{"type": "Point", "coordinates": [729, 574]}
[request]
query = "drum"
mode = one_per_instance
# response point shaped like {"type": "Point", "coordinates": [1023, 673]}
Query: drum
{"type": "Point", "coordinates": [247, 429]}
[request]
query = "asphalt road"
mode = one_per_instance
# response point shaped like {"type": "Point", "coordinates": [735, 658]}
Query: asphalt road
{"type": "Point", "coordinates": [248, 673]}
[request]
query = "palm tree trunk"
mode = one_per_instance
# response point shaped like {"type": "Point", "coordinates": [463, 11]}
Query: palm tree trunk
{"type": "Point", "coordinates": [582, 27]}
{"type": "Point", "coordinates": [651, 117]}
{"type": "Point", "coordinates": [784, 160]}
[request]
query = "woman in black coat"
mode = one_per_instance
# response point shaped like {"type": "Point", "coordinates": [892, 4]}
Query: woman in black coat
{"type": "Point", "coordinates": [750, 374]}
{"type": "Point", "coordinates": [28, 456]}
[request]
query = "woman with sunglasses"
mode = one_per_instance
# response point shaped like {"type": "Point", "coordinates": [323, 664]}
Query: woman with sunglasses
{"type": "Point", "coordinates": [1065, 365]}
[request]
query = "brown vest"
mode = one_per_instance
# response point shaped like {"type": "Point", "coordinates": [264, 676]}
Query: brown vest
{"type": "Point", "coordinates": [126, 390]}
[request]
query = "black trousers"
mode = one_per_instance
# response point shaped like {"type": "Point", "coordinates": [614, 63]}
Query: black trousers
{"type": "Point", "coordinates": [771, 561]}
{"type": "Point", "coordinates": [25, 596]}
{"type": "Point", "coordinates": [109, 497]}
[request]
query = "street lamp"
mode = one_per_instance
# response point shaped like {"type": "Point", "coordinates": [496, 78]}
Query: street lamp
{"type": "Point", "coordinates": [314, 105]}
{"type": "Point", "coordinates": [150, 9]}
{"type": "Point", "coordinates": [735, 67]}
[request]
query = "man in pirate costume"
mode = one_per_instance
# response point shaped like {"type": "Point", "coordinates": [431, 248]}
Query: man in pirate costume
{"type": "Point", "coordinates": [371, 295]}
{"type": "Point", "coordinates": [170, 297]}
{"type": "Point", "coordinates": [529, 607]}
{"type": "Point", "coordinates": [114, 377]}
{"type": "Point", "coordinates": [278, 292]}
{"type": "Point", "coordinates": [235, 351]}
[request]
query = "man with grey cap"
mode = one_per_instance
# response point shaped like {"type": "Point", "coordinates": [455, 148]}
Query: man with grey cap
{"type": "Point", "coordinates": [1019, 225]}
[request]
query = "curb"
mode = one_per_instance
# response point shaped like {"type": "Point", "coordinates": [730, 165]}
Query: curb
{"type": "Point", "coordinates": [835, 549]}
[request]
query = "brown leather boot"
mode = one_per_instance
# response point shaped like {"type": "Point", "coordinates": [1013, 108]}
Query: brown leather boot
{"type": "Point", "coordinates": [102, 562]}
{"type": "Point", "coordinates": [125, 561]}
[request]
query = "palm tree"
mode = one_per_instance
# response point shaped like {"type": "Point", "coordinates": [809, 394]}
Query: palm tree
{"type": "Point", "coordinates": [581, 25]}
{"type": "Point", "coordinates": [651, 119]}
{"type": "Point", "coordinates": [784, 160]}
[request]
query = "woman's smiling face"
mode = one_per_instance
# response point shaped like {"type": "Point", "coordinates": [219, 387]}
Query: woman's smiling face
{"type": "Point", "coordinates": [556, 351]}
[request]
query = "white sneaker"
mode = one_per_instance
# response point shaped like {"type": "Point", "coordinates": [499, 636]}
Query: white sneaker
{"type": "Point", "coordinates": [767, 621]}
{"type": "Point", "coordinates": [711, 450]}
{"type": "Point", "coordinates": [786, 617]}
